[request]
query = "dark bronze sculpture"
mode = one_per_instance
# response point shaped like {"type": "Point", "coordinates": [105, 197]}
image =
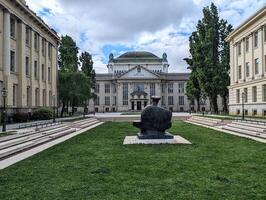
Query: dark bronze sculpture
{"type": "Point", "coordinates": [154, 121]}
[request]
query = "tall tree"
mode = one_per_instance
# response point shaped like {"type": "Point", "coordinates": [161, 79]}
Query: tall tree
{"type": "Point", "coordinates": [68, 55]}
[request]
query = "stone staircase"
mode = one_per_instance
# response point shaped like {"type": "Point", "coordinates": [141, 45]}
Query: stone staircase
{"type": "Point", "coordinates": [31, 138]}
{"type": "Point", "coordinates": [205, 121]}
{"type": "Point", "coordinates": [247, 128]}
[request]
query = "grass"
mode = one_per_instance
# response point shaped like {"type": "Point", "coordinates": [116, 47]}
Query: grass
{"type": "Point", "coordinates": [95, 165]}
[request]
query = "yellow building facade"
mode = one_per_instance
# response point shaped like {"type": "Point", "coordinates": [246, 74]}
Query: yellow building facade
{"type": "Point", "coordinates": [28, 58]}
{"type": "Point", "coordinates": [248, 66]}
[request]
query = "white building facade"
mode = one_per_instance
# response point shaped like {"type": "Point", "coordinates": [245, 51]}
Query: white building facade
{"type": "Point", "coordinates": [133, 78]}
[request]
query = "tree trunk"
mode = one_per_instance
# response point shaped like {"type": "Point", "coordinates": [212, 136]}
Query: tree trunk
{"type": "Point", "coordinates": [198, 104]}
{"type": "Point", "coordinates": [225, 106]}
{"type": "Point", "coordinates": [214, 105]}
{"type": "Point", "coordinates": [63, 108]}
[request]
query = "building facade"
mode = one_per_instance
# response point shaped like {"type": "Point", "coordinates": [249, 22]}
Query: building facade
{"type": "Point", "coordinates": [248, 66]}
{"type": "Point", "coordinates": [133, 78]}
{"type": "Point", "coordinates": [28, 58]}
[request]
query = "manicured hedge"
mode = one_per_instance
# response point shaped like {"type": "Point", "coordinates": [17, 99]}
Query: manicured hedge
{"type": "Point", "coordinates": [42, 114]}
{"type": "Point", "coordinates": [21, 117]}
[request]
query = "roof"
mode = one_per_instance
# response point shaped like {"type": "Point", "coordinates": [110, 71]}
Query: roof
{"type": "Point", "coordinates": [137, 56]}
{"type": "Point", "coordinates": [259, 13]}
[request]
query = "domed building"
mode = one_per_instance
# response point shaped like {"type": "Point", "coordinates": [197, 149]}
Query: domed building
{"type": "Point", "coordinates": [133, 78]}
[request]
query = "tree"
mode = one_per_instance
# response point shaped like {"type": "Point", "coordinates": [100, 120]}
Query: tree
{"type": "Point", "coordinates": [209, 56]}
{"type": "Point", "coordinates": [68, 55]}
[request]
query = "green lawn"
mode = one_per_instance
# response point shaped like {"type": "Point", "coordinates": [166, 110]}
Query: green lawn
{"type": "Point", "coordinates": [95, 165]}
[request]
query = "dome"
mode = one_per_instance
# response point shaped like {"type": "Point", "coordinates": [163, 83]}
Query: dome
{"type": "Point", "coordinates": [138, 55]}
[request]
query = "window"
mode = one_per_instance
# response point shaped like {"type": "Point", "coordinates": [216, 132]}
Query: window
{"type": "Point", "coordinates": [152, 89]}
{"type": "Point", "coordinates": [239, 72]}
{"type": "Point", "coordinates": [139, 87]}
{"type": "Point", "coordinates": [27, 66]}
{"type": "Point", "coordinates": [35, 69]}
{"type": "Point", "coordinates": [50, 51]}
{"type": "Point", "coordinates": [36, 41]}
{"type": "Point", "coordinates": [15, 90]}
{"type": "Point", "coordinates": [97, 88]}
{"type": "Point", "coordinates": [114, 88]}
{"type": "Point", "coordinates": [163, 100]}
{"type": "Point", "coordinates": [264, 92]}
{"type": "Point", "coordinates": [246, 95]}
{"type": "Point", "coordinates": [49, 74]}
{"type": "Point", "coordinates": [170, 88]}
{"type": "Point", "coordinates": [44, 97]}
{"type": "Point", "coordinates": [247, 69]}
{"type": "Point", "coordinates": [125, 94]}
{"type": "Point", "coordinates": [43, 47]}
{"type": "Point", "coordinates": [114, 100]}
{"type": "Point", "coordinates": [107, 88]}
{"type": "Point", "coordinates": [247, 44]}
{"type": "Point", "coordinates": [254, 112]}
{"type": "Point", "coordinates": [107, 101]}
{"type": "Point", "coordinates": [170, 100]}
{"type": "Point", "coordinates": [43, 72]}
{"type": "Point", "coordinates": [239, 48]}
{"type": "Point", "coordinates": [163, 88]}
{"type": "Point", "coordinates": [97, 100]}
{"type": "Point", "coordinates": [256, 39]}
{"type": "Point", "coordinates": [181, 87]}
{"type": "Point", "coordinates": [181, 100]}
{"type": "Point", "coordinates": [50, 98]}
{"type": "Point", "coordinates": [256, 66]}
{"type": "Point", "coordinates": [254, 93]}
{"type": "Point", "coordinates": [237, 96]}
{"type": "Point", "coordinates": [37, 92]}
{"type": "Point", "coordinates": [238, 112]}
{"type": "Point", "coordinates": [28, 36]}
{"type": "Point", "coordinates": [28, 96]}
{"type": "Point", "coordinates": [12, 28]}
{"type": "Point", "coordinates": [12, 61]}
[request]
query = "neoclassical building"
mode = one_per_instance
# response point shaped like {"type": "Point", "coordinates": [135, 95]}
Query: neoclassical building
{"type": "Point", "coordinates": [133, 78]}
{"type": "Point", "coordinates": [28, 57]}
{"type": "Point", "coordinates": [248, 66]}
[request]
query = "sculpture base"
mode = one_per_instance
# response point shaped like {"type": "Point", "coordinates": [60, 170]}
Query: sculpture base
{"type": "Point", "coordinates": [155, 136]}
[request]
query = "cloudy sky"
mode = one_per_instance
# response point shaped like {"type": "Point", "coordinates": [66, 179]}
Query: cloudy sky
{"type": "Point", "coordinates": [104, 26]}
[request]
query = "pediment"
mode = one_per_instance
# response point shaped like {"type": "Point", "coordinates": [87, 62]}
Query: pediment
{"type": "Point", "coordinates": [139, 72]}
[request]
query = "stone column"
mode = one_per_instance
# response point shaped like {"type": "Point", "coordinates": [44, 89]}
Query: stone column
{"type": "Point", "coordinates": [232, 72]}
{"type": "Point", "coordinates": [6, 56]}
{"type": "Point", "coordinates": [40, 70]}
{"type": "Point", "coordinates": [252, 57]}
{"type": "Point", "coordinates": [32, 78]}
{"type": "Point", "coordinates": [262, 53]}
{"type": "Point", "coordinates": [46, 65]}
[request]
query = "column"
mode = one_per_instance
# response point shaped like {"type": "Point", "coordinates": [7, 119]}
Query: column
{"type": "Point", "coordinates": [40, 70]}
{"type": "Point", "coordinates": [232, 72]}
{"type": "Point", "coordinates": [252, 64]}
{"type": "Point", "coordinates": [262, 52]}
{"type": "Point", "coordinates": [32, 78]}
{"type": "Point", "coordinates": [6, 56]}
{"type": "Point", "coordinates": [46, 65]}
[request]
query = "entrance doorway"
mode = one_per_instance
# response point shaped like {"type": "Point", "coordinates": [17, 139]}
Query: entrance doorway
{"type": "Point", "coordinates": [132, 105]}
{"type": "Point", "coordinates": [138, 105]}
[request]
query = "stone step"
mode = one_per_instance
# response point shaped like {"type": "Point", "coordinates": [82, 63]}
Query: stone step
{"type": "Point", "coordinates": [202, 122]}
{"type": "Point", "coordinates": [247, 127]}
{"type": "Point", "coordinates": [21, 140]}
{"type": "Point", "coordinates": [246, 132]}
{"type": "Point", "coordinates": [86, 122]}
{"type": "Point", "coordinates": [89, 124]}
{"type": "Point", "coordinates": [33, 143]}
{"type": "Point", "coordinates": [83, 120]}
{"type": "Point", "coordinates": [207, 119]}
{"type": "Point", "coordinates": [11, 137]}
{"type": "Point", "coordinates": [254, 125]}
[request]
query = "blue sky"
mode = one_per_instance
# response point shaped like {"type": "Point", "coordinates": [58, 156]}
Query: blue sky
{"type": "Point", "coordinates": [102, 27]}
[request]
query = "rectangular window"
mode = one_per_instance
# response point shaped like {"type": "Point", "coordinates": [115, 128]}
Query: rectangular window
{"type": "Point", "coordinates": [114, 88]}
{"type": "Point", "coordinates": [239, 48]}
{"type": "Point", "coordinates": [27, 66]}
{"type": "Point", "coordinates": [50, 51]}
{"type": "Point", "coordinates": [27, 36]}
{"type": "Point", "coordinates": [247, 44]}
{"type": "Point", "coordinates": [12, 27]}
{"type": "Point", "coordinates": [107, 88]}
{"type": "Point", "coordinates": [97, 100]}
{"type": "Point", "coordinates": [264, 92]}
{"type": "Point", "coordinates": [44, 97]}
{"type": "Point", "coordinates": [12, 61]}
{"type": "Point", "coordinates": [181, 88]}
{"type": "Point", "coordinates": [35, 69]}
{"type": "Point", "coordinates": [49, 74]}
{"type": "Point", "coordinates": [170, 100]}
{"type": "Point", "coordinates": [163, 88]}
{"type": "Point", "coordinates": [36, 41]}
{"type": "Point", "coordinates": [97, 88]}
{"type": "Point", "coordinates": [163, 100]}
{"type": "Point", "coordinates": [237, 96]}
{"type": "Point", "coordinates": [239, 72]}
{"type": "Point", "coordinates": [181, 100]}
{"type": "Point", "coordinates": [246, 95]}
{"type": "Point", "coordinates": [114, 100]}
{"type": "Point", "coordinates": [125, 94]}
{"type": "Point", "coordinates": [43, 72]}
{"type": "Point", "coordinates": [37, 92]}
{"type": "Point", "coordinates": [43, 47]}
{"type": "Point", "coordinates": [28, 96]}
{"type": "Point", "coordinates": [50, 98]}
{"type": "Point", "coordinates": [256, 66]}
{"type": "Point", "coordinates": [254, 93]}
{"type": "Point", "coordinates": [170, 88]}
{"type": "Point", "coordinates": [247, 69]}
{"type": "Point", "coordinates": [256, 39]}
{"type": "Point", "coordinates": [107, 101]}
{"type": "Point", "coordinates": [15, 90]}
{"type": "Point", "coordinates": [152, 89]}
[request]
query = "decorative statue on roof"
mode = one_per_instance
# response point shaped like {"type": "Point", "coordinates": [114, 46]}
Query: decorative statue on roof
{"type": "Point", "coordinates": [111, 57]}
{"type": "Point", "coordinates": [164, 57]}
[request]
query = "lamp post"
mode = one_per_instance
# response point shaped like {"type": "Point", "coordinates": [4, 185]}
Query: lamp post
{"type": "Point", "coordinates": [243, 106]}
{"type": "Point", "coordinates": [54, 109]}
{"type": "Point", "coordinates": [4, 95]}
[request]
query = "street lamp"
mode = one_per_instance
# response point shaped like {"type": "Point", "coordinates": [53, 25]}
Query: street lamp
{"type": "Point", "coordinates": [54, 109]}
{"type": "Point", "coordinates": [4, 95]}
{"type": "Point", "coordinates": [243, 107]}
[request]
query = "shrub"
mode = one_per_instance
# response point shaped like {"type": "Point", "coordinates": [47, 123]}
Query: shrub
{"type": "Point", "coordinates": [20, 117]}
{"type": "Point", "coordinates": [42, 114]}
